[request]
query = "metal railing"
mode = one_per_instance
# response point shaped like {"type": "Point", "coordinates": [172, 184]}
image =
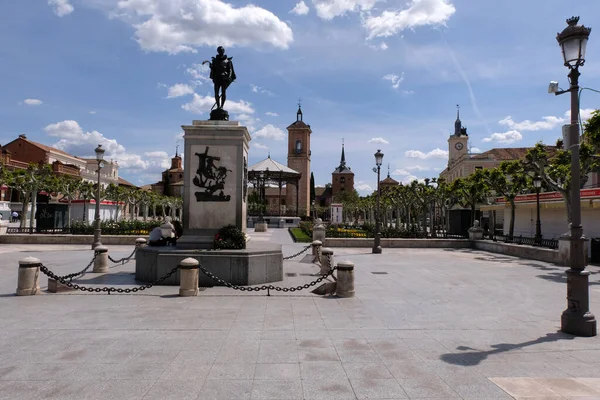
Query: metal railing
{"type": "Point", "coordinates": [530, 241]}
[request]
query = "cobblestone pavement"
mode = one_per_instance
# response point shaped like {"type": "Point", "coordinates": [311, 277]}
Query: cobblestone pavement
{"type": "Point", "coordinates": [424, 324]}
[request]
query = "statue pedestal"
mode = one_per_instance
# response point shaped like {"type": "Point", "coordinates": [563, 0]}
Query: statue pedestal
{"type": "Point", "coordinates": [215, 180]}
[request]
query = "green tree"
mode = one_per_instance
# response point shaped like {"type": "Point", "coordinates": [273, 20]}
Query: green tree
{"type": "Point", "coordinates": [471, 191]}
{"type": "Point", "coordinates": [69, 188]}
{"type": "Point", "coordinates": [509, 179]}
{"type": "Point", "coordinates": [554, 165]}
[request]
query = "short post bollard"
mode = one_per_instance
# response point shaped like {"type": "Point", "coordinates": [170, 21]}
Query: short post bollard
{"type": "Point", "coordinates": [345, 279]}
{"type": "Point", "coordinates": [316, 247]}
{"type": "Point", "coordinates": [319, 232]}
{"type": "Point", "coordinates": [28, 283]}
{"type": "Point", "coordinates": [326, 260]}
{"type": "Point", "coordinates": [101, 260]}
{"type": "Point", "coordinates": [188, 277]}
{"type": "Point", "coordinates": [140, 242]}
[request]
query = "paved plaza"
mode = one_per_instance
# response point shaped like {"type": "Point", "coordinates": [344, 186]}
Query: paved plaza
{"type": "Point", "coordinates": [425, 324]}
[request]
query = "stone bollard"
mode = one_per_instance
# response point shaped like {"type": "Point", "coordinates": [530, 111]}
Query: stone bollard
{"type": "Point", "coordinates": [345, 279]}
{"type": "Point", "coordinates": [188, 277]}
{"type": "Point", "coordinates": [319, 232]}
{"type": "Point", "coordinates": [326, 260]}
{"type": "Point", "coordinates": [140, 242]}
{"type": "Point", "coordinates": [29, 272]}
{"type": "Point", "coordinates": [316, 248]}
{"type": "Point", "coordinates": [101, 261]}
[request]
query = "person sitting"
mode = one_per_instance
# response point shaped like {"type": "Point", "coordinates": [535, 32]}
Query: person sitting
{"type": "Point", "coordinates": [168, 232]}
{"type": "Point", "coordinates": [156, 238]}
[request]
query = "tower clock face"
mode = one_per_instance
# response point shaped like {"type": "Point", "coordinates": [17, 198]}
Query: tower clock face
{"type": "Point", "coordinates": [458, 146]}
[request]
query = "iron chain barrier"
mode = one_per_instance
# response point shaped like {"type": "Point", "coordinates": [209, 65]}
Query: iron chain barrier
{"type": "Point", "coordinates": [106, 289]}
{"type": "Point", "coordinates": [297, 254]}
{"type": "Point", "coordinates": [122, 260]}
{"type": "Point", "coordinates": [80, 273]}
{"type": "Point", "coordinates": [268, 288]}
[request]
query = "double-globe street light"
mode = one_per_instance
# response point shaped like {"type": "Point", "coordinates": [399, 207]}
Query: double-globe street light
{"type": "Point", "coordinates": [577, 318]}
{"type": "Point", "coordinates": [97, 230]}
{"type": "Point", "coordinates": [377, 241]}
{"type": "Point", "coordinates": [537, 183]}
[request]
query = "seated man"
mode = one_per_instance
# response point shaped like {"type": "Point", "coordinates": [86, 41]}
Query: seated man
{"type": "Point", "coordinates": [168, 232]}
{"type": "Point", "coordinates": [156, 238]}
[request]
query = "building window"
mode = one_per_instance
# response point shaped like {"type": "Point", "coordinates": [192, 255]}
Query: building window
{"type": "Point", "coordinates": [342, 180]}
{"type": "Point", "coordinates": [298, 147]}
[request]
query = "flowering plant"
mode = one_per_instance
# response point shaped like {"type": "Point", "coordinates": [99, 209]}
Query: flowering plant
{"type": "Point", "coordinates": [230, 238]}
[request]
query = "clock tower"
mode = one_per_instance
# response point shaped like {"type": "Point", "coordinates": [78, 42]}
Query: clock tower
{"type": "Point", "coordinates": [457, 142]}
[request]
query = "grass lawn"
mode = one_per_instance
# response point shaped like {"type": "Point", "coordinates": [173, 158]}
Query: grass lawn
{"type": "Point", "coordinates": [299, 236]}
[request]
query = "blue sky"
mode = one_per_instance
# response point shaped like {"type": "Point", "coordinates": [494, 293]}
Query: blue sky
{"type": "Point", "coordinates": [379, 74]}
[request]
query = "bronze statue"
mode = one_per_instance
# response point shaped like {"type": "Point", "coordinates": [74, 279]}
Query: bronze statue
{"type": "Point", "coordinates": [222, 74]}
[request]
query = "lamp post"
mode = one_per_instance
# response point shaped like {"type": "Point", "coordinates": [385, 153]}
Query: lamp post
{"type": "Point", "coordinates": [577, 318]}
{"type": "Point", "coordinates": [537, 183]}
{"type": "Point", "coordinates": [97, 230]}
{"type": "Point", "coordinates": [377, 241]}
{"type": "Point", "coordinates": [492, 231]}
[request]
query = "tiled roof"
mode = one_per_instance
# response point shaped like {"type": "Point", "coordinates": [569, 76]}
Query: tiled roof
{"type": "Point", "coordinates": [48, 148]}
{"type": "Point", "coordinates": [390, 181]}
{"type": "Point", "coordinates": [507, 154]}
{"type": "Point", "coordinates": [125, 183]}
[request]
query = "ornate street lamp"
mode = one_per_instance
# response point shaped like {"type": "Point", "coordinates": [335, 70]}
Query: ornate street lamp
{"type": "Point", "coordinates": [577, 318]}
{"type": "Point", "coordinates": [377, 241]}
{"type": "Point", "coordinates": [97, 230]}
{"type": "Point", "coordinates": [537, 183]}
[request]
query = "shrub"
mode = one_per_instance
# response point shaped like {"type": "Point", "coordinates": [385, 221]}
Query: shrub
{"type": "Point", "coordinates": [307, 227]}
{"type": "Point", "coordinates": [229, 238]}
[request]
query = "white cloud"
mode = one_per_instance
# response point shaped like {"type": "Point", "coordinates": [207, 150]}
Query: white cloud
{"type": "Point", "coordinates": [401, 172]}
{"type": "Point", "coordinates": [61, 7]}
{"type": "Point", "coordinates": [545, 124]}
{"type": "Point", "coordinates": [201, 104]}
{"type": "Point", "coordinates": [270, 132]}
{"type": "Point", "coordinates": [418, 13]}
{"type": "Point", "coordinates": [74, 140]}
{"type": "Point", "coordinates": [181, 26]}
{"type": "Point", "coordinates": [363, 187]}
{"type": "Point", "coordinates": [408, 92]}
{"type": "Point", "coordinates": [585, 114]}
{"type": "Point", "coordinates": [435, 153]}
{"type": "Point", "coordinates": [409, 179]}
{"type": "Point", "coordinates": [300, 9]}
{"type": "Point", "coordinates": [92, 112]}
{"type": "Point", "coordinates": [329, 9]}
{"type": "Point", "coordinates": [198, 71]}
{"type": "Point", "coordinates": [506, 137]}
{"type": "Point", "coordinates": [259, 146]}
{"type": "Point", "coordinates": [475, 150]}
{"type": "Point", "coordinates": [418, 168]}
{"type": "Point", "coordinates": [379, 140]}
{"type": "Point", "coordinates": [258, 89]}
{"type": "Point", "coordinates": [383, 46]}
{"type": "Point", "coordinates": [179, 89]}
{"type": "Point", "coordinates": [32, 102]}
{"type": "Point", "coordinates": [395, 79]}
{"type": "Point", "coordinates": [271, 114]}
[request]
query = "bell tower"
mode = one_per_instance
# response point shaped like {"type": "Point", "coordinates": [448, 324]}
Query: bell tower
{"type": "Point", "coordinates": [457, 142]}
{"type": "Point", "coordinates": [299, 160]}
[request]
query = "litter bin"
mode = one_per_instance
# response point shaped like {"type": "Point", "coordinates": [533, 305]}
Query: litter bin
{"type": "Point", "coordinates": [595, 245]}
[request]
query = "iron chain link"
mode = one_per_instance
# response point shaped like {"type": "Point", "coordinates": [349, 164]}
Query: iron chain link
{"type": "Point", "coordinates": [122, 260]}
{"type": "Point", "coordinates": [297, 254]}
{"type": "Point", "coordinates": [265, 287]}
{"type": "Point", "coordinates": [106, 289]}
{"type": "Point", "coordinates": [80, 273]}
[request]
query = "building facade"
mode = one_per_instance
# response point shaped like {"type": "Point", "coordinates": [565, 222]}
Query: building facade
{"type": "Point", "coordinates": [299, 160]}
{"type": "Point", "coordinates": [171, 183]}
{"type": "Point", "coordinates": [342, 178]}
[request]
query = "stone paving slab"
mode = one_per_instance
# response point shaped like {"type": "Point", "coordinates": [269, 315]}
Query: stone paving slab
{"type": "Point", "coordinates": [432, 323]}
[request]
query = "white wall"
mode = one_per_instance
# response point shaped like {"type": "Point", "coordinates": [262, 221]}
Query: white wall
{"type": "Point", "coordinates": [107, 212]}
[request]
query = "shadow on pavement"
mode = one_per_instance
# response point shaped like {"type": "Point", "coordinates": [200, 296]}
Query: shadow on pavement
{"type": "Point", "coordinates": [471, 358]}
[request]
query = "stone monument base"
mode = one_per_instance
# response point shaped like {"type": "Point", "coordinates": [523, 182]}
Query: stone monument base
{"type": "Point", "coordinates": [258, 263]}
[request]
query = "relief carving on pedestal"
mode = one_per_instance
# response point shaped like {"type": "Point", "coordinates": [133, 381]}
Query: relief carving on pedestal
{"type": "Point", "coordinates": [210, 178]}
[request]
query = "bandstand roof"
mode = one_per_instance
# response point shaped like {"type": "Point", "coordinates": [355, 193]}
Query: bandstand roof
{"type": "Point", "coordinates": [273, 169]}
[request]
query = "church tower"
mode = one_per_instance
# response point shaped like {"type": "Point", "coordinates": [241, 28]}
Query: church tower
{"type": "Point", "coordinates": [342, 178]}
{"type": "Point", "coordinates": [457, 142]}
{"type": "Point", "coordinates": [299, 160]}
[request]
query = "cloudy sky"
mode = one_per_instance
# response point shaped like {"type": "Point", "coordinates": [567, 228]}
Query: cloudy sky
{"type": "Point", "coordinates": [379, 74]}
